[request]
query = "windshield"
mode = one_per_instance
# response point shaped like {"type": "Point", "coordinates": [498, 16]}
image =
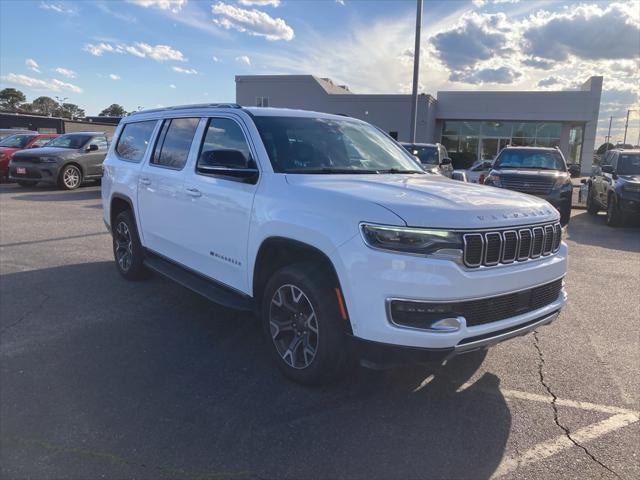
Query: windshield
{"type": "Point", "coordinates": [69, 141]}
{"type": "Point", "coordinates": [629, 164]}
{"type": "Point", "coordinates": [534, 159]}
{"type": "Point", "coordinates": [16, 141]}
{"type": "Point", "coordinates": [427, 155]}
{"type": "Point", "coordinates": [320, 145]}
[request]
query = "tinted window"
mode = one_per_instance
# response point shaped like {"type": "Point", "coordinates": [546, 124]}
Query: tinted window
{"type": "Point", "coordinates": [535, 159]}
{"type": "Point", "coordinates": [41, 141]}
{"type": "Point", "coordinates": [16, 141]}
{"type": "Point", "coordinates": [71, 140]}
{"type": "Point", "coordinates": [176, 136]}
{"type": "Point", "coordinates": [101, 142]}
{"type": "Point", "coordinates": [427, 155]}
{"type": "Point", "coordinates": [134, 139]}
{"type": "Point", "coordinates": [224, 134]}
{"type": "Point", "coordinates": [629, 164]}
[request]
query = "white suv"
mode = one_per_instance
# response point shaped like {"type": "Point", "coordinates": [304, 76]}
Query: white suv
{"type": "Point", "coordinates": [327, 229]}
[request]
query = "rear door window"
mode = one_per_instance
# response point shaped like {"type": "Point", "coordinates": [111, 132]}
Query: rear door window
{"type": "Point", "coordinates": [41, 141]}
{"type": "Point", "coordinates": [174, 142]}
{"type": "Point", "coordinates": [134, 139]}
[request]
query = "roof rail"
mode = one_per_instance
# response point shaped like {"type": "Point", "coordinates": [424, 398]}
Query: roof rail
{"type": "Point", "coordinates": [194, 105]}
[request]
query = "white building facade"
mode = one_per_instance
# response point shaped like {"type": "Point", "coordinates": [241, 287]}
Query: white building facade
{"type": "Point", "coordinates": [470, 124]}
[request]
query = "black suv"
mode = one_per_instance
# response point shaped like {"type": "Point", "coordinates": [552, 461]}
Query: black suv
{"type": "Point", "coordinates": [433, 157]}
{"type": "Point", "coordinates": [614, 186]}
{"type": "Point", "coordinates": [67, 160]}
{"type": "Point", "coordinates": [535, 170]}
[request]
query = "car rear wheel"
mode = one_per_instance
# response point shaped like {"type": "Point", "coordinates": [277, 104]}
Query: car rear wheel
{"type": "Point", "coordinates": [26, 183]}
{"type": "Point", "coordinates": [565, 214]}
{"type": "Point", "coordinates": [614, 217]}
{"type": "Point", "coordinates": [127, 249]}
{"type": "Point", "coordinates": [302, 324]}
{"type": "Point", "coordinates": [592, 207]}
{"type": "Point", "coordinates": [70, 177]}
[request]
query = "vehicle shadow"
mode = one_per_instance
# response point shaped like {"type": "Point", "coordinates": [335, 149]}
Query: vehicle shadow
{"type": "Point", "coordinates": [592, 230]}
{"type": "Point", "coordinates": [51, 194]}
{"type": "Point", "coordinates": [154, 374]}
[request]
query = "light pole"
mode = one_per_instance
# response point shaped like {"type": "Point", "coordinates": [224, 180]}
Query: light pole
{"type": "Point", "coordinates": [608, 141]}
{"type": "Point", "coordinates": [416, 71]}
{"type": "Point", "coordinates": [626, 125]}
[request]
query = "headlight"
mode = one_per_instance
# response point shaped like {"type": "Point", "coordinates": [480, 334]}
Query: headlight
{"type": "Point", "coordinates": [631, 187]}
{"type": "Point", "coordinates": [493, 180]}
{"type": "Point", "coordinates": [48, 159]}
{"type": "Point", "coordinates": [417, 241]}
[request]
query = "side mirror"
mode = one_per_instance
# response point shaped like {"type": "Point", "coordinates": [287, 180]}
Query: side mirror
{"type": "Point", "coordinates": [607, 169]}
{"type": "Point", "coordinates": [231, 163]}
{"type": "Point", "coordinates": [92, 148]}
{"type": "Point", "coordinates": [445, 161]}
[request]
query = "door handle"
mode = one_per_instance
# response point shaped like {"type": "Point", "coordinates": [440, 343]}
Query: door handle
{"type": "Point", "coordinates": [145, 181]}
{"type": "Point", "coordinates": [194, 192]}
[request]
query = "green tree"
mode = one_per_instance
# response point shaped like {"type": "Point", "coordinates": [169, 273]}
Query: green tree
{"type": "Point", "coordinates": [604, 147]}
{"type": "Point", "coordinates": [45, 106]}
{"type": "Point", "coordinates": [70, 110]}
{"type": "Point", "coordinates": [113, 110]}
{"type": "Point", "coordinates": [10, 99]}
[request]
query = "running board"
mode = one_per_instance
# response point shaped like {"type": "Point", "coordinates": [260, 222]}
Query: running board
{"type": "Point", "coordinates": [198, 284]}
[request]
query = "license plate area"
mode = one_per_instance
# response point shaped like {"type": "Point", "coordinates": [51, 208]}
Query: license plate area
{"type": "Point", "coordinates": [21, 171]}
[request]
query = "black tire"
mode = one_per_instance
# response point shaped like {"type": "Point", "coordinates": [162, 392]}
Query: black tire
{"type": "Point", "coordinates": [592, 206]}
{"type": "Point", "coordinates": [127, 249]}
{"type": "Point", "coordinates": [565, 214]}
{"type": "Point", "coordinates": [614, 216]}
{"type": "Point", "coordinates": [26, 183]}
{"type": "Point", "coordinates": [315, 357]}
{"type": "Point", "coordinates": [70, 177]}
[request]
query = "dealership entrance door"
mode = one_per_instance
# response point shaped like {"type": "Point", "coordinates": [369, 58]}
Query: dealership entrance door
{"type": "Point", "coordinates": [490, 146]}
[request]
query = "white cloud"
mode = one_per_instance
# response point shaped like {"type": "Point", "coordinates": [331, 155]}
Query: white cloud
{"type": "Point", "coordinates": [254, 22]}
{"type": "Point", "coordinates": [113, 76]}
{"type": "Point", "coordinates": [32, 65]}
{"type": "Point", "coordinates": [215, 59]}
{"type": "Point", "coordinates": [172, 5]}
{"type": "Point", "coordinates": [58, 8]}
{"type": "Point", "coordinates": [486, 75]}
{"type": "Point", "coordinates": [547, 82]}
{"type": "Point", "coordinates": [244, 59]}
{"type": "Point", "coordinates": [260, 3]}
{"type": "Point", "coordinates": [159, 53]}
{"type": "Point", "coordinates": [341, 2]}
{"type": "Point", "coordinates": [187, 71]}
{"type": "Point", "coordinates": [172, 86]}
{"type": "Point", "coordinates": [52, 84]}
{"type": "Point", "coordinates": [65, 72]}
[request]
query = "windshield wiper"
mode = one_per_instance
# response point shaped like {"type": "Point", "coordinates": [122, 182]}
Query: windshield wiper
{"type": "Point", "coordinates": [396, 170]}
{"type": "Point", "coordinates": [329, 170]}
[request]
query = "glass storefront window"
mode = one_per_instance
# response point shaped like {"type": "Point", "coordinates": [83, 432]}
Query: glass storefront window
{"type": "Point", "coordinates": [524, 129]}
{"type": "Point", "coordinates": [548, 130]}
{"type": "Point", "coordinates": [575, 144]}
{"type": "Point", "coordinates": [496, 129]}
{"type": "Point", "coordinates": [450, 142]}
{"type": "Point", "coordinates": [523, 142]}
{"type": "Point", "coordinates": [451, 128]}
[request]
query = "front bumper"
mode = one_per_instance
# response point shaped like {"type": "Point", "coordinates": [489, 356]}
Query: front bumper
{"type": "Point", "coordinates": [46, 172]}
{"type": "Point", "coordinates": [629, 203]}
{"type": "Point", "coordinates": [369, 278]}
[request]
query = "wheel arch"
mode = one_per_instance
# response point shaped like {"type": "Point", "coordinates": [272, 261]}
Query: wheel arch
{"type": "Point", "coordinates": [118, 204]}
{"type": "Point", "coordinates": [276, 252]}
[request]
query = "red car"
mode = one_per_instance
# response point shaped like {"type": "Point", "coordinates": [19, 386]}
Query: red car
{"type": "Point", "coordinates": [21, 141]}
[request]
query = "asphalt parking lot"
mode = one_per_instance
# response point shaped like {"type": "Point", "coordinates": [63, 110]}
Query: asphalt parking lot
{"type": "Point", "coordinates": [101, 378]}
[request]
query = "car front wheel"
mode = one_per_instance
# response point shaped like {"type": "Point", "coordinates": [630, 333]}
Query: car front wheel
{"type": "Point", "coordinates": [70, 177]}
{"type": "Point", "coordinates": [302, 324]}
{"type": "Point", "coordinates": [127, 249]}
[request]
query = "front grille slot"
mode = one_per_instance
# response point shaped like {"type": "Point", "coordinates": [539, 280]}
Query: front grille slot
{"type": "Point", "coordinates": [533, 185]}
{"type": "Point", "coordinates": [506, 246]}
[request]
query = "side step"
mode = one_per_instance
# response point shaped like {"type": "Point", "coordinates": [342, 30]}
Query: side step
{"type": "Point", "coordinates": [207, 288]}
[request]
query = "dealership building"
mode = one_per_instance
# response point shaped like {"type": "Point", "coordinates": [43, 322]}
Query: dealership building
{"type": "Point", "coordinates": [470, 124]}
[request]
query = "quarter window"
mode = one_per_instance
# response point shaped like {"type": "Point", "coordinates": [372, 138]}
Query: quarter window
{"type": "Point", "coordinates": [134, 140]}
{"type": "Point", "coordinates": [174, 142]}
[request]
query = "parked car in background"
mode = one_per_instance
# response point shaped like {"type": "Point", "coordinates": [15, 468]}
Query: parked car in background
{"type": "Point", "coordinates": [479, 171]}
{"type": "Point", "coordinates": [7, 132]}
{"type": "Point", "coordinates": [330, 231]}
{"type": "Point", "coordinates": [15, 143]}
{"type": "Point", "coordinates": [614, 186]}
{"type": "Point", "coordinates": [433, 157]}
{"type": "Point", "coordinates": [67, 161]}
{"type": "Point", "coordinates": [537, 171]}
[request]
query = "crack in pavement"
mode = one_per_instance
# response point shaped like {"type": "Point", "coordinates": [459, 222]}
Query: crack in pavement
{"type": "Point", "coordinates": [554, 406]}
{"type": "Point", "coordinates": [26, 314]}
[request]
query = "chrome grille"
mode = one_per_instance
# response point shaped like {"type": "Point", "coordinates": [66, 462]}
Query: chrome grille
{"type": "Point", "coordinates": [532, 184]}
{"type": "Point", "coordinates": [508, 246]}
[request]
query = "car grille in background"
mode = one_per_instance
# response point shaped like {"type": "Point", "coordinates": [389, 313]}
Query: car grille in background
{"type": "Point", "coordinates": [25, 159]}
{"type": "Point", "coordinates": [532, 184]}
{"type": "Point", "coordinates": [508, 246]}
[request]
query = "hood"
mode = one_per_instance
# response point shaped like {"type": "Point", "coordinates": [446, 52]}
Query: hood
{"type": "Point", "coordinates": [630, 178]}
{"type": "Point", "coordinates": [436, 201]}
{"type": "Point", "coordinates": [530, 172]}
{"type": "Point", "coordinates": [46, 152]}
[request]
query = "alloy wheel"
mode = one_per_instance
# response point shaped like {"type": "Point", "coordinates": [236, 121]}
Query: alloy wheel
{"type": "Point", "coordinates": [71, 177]}
{"type": "Point", "coordinates": [124, 246]}
{"type": "Point", "coordinates": [294, 326]}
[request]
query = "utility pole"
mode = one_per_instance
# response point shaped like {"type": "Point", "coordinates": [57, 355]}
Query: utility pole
{"type": "Point", "coordinates": [416, 71]}
{"type": "Point", "coordinates": [608, 141]}
{"type": "Point", "coordinates": [626, 126]}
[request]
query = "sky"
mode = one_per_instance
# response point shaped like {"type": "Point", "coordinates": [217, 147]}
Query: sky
{"type": "Point", "coordinates": [153, 53]}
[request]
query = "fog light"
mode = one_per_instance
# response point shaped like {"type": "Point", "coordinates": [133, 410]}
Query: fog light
{"type": "Point", "coordinates": [437, 317]}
